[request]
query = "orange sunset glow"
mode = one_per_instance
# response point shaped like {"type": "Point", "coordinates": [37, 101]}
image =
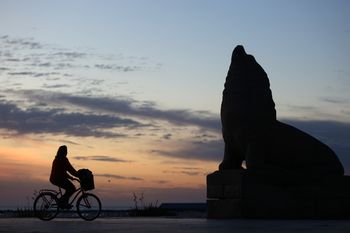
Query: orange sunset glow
{"type": "Point", "coordinates": [121, 167]}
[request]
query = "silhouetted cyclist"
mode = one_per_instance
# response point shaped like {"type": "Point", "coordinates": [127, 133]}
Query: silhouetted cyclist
{"type": "Point", "coordinates": [60, 177]}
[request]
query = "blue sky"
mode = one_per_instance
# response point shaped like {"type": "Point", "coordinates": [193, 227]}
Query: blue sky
{"type": "Point", "coordinates": [192, 40]}
{"type": "Point", "coordinates": [152, 73]}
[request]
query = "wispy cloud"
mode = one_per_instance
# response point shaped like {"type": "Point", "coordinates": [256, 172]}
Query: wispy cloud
{"type": "Point", "coordinates": [55, 86]}
{"type": "Point", "coordinates": [300, 108]}
{"type": "Point", "coordinates": [188, 173]}
{"type": "Point", "coordinates": [21, 43]}
{"type": "Point", "coordinates": [33, 74]}
{"type": "Point", "coordinates": [161, 181]}
{"type": "Point", "coordinates": [109, 176]}
{"type": "Point", "coordinates": [70, 55]}
{"type": "Point", "coordinates": [187, 168]}
{"type": "Point", "coordinates": [24, 73]}
{"type": "Point", "coordinates": [118, 67]}
{"type": "Point", "coordinates": [334, 100]}
{"type": "Point", "coordinates": [30, 55]}
{"type": "Point", "coordinates": [102, 158]}
{"type": "Point", "coordinates": [69, 142]}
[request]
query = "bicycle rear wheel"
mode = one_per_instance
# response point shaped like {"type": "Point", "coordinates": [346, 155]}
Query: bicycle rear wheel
{"type": "Point", "coordinates": [88, 206]}
{"type": "Point", "coordinates": [45, 206]}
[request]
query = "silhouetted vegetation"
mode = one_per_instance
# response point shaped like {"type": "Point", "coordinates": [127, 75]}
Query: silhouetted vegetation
{"type": "Point", "coordinates": [24, 213]}
{"type": "Point", "coordinates": [18, 213]}
{"type": "Point", "coordinates": [146, 210]}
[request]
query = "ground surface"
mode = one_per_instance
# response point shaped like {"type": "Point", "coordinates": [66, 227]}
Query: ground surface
{"type": "Point", "coordinates": [170, 225]}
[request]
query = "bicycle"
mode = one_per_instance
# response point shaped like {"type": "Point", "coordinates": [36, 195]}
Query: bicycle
{"type": "Point", "coordinates": [46, 205]}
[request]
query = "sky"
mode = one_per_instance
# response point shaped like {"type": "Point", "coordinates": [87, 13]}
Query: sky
{"type": "Point", "coordinates": [134, 88]}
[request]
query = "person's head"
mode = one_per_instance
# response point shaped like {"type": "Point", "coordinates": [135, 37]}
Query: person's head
{"type": "Point", "coordinates": [62, 151]}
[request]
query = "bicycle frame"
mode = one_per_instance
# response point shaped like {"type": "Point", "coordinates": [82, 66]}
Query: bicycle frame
{"type": "Point", "coordinates": [59, 194]}
{"type": "Point", "coordinates": [76, 194]}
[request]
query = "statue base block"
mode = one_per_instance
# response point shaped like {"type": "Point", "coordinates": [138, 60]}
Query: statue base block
{"type": "Point", "coordinates": [247, 194]}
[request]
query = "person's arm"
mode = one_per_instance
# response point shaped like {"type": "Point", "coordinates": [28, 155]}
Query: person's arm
{"type": "Point", "coordinates": [71, 170]}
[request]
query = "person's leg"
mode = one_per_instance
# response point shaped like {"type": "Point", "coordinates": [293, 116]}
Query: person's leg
{"type": "Point", "coordinates": [69, 190]}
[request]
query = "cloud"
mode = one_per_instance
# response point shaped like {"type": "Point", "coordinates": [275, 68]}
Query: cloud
{"type": "Point", "coordinates": [167, 136]}
{"type": "Point", "coordinates": [18, 53]}
{"type": "Point", "coordinates": [106, 175]}
{"type": "Point", "coordinates": [129, 107]}
{"type": "Point", "coordinates": [13, 60]}
{"type": "Point", "coordinates": [21, 43]}
{"type": "Point", "coordinates": [161, 181]}
{"type": "Point", "coordinates": [127, 112]}
{"type": "Point", "coordinates": [70, 55]}
{"type": "Point", "coordinates": [335, 134]}
{"type": "Point", "coordinates": [32, 74]}
{"type": "Point", "coordinates": [69, 142]}
{"type": "Point", "coordinates": [334, 100]}
{"type": "Point", "coordinates": [54, 121]}
{"type": "Point", "coordinates": [196, 150]}
{"type": "Point", "coordinates": [299, 108]}
{"type": "Point", "coordinates": [117, 67]}
{"type": "Point", "coordinates": [189, 173]}
{"type": "Point", "coordinates": [50, 112]}
{"type": "Point", "coordinates": [102, 158]}
{"type": "Point", "coordinates": [187, 168]}
{"type": "Point", "coordinates": [63, 65]}
{"type": "Point", "coordinates": [24, 73]}
{"type": "Point", "coordinates": [56, 86]}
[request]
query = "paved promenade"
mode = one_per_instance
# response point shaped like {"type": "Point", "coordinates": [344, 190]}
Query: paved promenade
{"type": "Point", "coordinates": [170, 225]}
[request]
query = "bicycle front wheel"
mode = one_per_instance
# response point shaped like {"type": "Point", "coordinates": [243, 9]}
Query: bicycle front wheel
{"type": "Point", "coordinates": [45, 206]}
{"type": "Point", "coordinates": [88, 206]}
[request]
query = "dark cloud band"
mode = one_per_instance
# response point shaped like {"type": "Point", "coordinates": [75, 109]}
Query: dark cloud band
{"type": "Point", "coordinates": [54, 121]}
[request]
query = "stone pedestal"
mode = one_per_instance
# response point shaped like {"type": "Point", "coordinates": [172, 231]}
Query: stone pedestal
{"type": "Point", "coordinates": [246, 194]}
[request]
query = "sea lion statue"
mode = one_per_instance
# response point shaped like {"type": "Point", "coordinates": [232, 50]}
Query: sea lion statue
{"type": "Point", "coordinates": [252, 133]}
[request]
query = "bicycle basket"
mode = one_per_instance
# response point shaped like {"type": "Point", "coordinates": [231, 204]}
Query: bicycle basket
{"type": "Point", "coordinates": [86, 179]}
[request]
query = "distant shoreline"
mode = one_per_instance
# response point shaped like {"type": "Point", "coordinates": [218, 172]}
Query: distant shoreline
{"type": "Point", "coordinates": [25, 213]}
